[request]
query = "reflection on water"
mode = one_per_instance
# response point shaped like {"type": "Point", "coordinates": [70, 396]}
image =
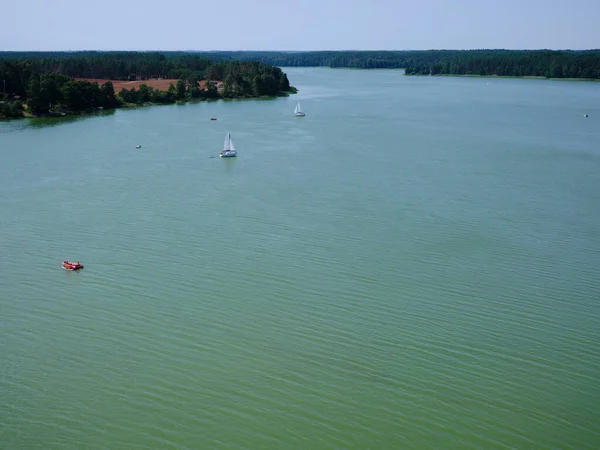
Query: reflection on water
{"type": "Point", "coordinates": [45, 122]}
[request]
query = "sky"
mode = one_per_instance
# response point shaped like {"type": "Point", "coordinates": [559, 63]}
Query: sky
{"type": "Point", "coordinates": [42, 25]}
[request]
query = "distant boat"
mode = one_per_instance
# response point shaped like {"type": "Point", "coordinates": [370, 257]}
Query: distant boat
{"type": "Point", "coordinates": [298, 111]}
{"type": "Point", "coordinates": [228, 147]}
{"type": "Point", "coordinates": [213, 118]}
{"type": "Point", "coordinates": [68, 265]}
{"type": "Point", "coordinates": [138, 146]}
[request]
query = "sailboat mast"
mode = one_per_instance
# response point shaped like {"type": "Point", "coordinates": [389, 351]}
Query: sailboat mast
{"type": "Point", "coordinates": [227, 144]}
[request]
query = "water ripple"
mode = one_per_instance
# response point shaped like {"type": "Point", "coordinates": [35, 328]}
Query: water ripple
{"type": "Point", "coordinates": [313, 293]}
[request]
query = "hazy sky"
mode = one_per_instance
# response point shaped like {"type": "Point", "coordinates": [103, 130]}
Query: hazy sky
{"type": "Point", "coordinates": [299, 24]}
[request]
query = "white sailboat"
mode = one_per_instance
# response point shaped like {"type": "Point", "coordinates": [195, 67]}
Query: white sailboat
{"type": "Point", "coordinates": [298, 111]}
{"type": "Point", "coordinates": [228, 147]}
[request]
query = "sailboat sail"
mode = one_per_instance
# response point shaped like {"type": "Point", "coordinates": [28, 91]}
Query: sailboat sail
{"type": "Point", "coordinates": [298, 110]}
{"type": "Point", "coordinates": [227, 145]}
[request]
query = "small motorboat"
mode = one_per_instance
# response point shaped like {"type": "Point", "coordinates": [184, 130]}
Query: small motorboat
{"type": "Point", "coordinates": [138, 146]}
{"type": "Point", "coordinates": [213, 118]}
{"type": "Point", "coordinates": [68, 265]}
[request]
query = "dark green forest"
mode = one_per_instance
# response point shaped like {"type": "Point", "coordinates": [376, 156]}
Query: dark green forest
{"type": "Point", "coordinates": [519, 63]}
{"type": "Point", "coordinates": [43, 83]}
{"type": "Point", "coordinates": [543, 63]}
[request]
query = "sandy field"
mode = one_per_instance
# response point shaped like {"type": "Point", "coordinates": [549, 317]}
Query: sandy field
{"type": "Point", "coordinates": [162, 85]}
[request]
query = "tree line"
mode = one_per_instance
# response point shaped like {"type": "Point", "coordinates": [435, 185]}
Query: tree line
{"type": "Point", "coordinates": [53, 92]}
{"type": "Point", "coordinates": [43, 82]}
{"type": "Point", "coordinates": [181, 91]}
{"type": "Point", "coordinates": [542, 63]}
{"type": "Point", "coordinates": [113, 65]}
{"type": "Point", "coordinates": [122, 65]}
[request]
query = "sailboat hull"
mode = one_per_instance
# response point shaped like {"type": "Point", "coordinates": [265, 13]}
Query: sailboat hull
{"type": "Point", "coordinates": [299, 114]}
{"type": "Point", "coordinates": [227, 154]}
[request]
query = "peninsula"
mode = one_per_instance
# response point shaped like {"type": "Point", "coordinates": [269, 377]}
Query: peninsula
{"type": "Point", "coordinates": [60, 83]}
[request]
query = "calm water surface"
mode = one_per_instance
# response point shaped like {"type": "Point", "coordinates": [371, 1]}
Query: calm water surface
{"type": "Point", "coordinates": [414, 264]}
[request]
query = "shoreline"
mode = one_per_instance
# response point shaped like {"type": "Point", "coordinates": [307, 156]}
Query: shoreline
{"type": "Point", "coordinates": [526, 77]}
{"type": "Point", "coordinates": [125, 105]}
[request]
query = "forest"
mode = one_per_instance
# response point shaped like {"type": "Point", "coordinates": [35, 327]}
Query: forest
{"type": "Point", "coordinates": [518, 63]}
{"type": "Point", "coordinates": [44, 83]}
{"type": "Point", "coordinates": [543, 63]}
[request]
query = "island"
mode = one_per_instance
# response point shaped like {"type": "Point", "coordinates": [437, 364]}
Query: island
{"type": "Point", "coordinates": [60, 83]}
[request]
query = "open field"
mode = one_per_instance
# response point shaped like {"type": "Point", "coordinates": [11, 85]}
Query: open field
{"type": "Point", "coordinates": [162, 84]}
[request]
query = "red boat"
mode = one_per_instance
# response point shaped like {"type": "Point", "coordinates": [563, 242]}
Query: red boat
{"type": "Point", "coordinates": [68, 265]}
{"type": "Point", "coordinates": [213, 118]}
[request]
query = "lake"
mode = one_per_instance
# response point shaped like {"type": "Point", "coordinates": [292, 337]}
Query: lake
{"type": "Point", "coordinates": [414, 264]}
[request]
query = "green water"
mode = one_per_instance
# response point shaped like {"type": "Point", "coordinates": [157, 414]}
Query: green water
{"type": "Point", "coordinates": [414, 264]}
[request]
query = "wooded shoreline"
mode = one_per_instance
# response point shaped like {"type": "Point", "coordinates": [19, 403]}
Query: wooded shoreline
{"type": "Point", "coordinates": [43, 83]}
{"type": "Point", "coordinates": [56, 84]}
